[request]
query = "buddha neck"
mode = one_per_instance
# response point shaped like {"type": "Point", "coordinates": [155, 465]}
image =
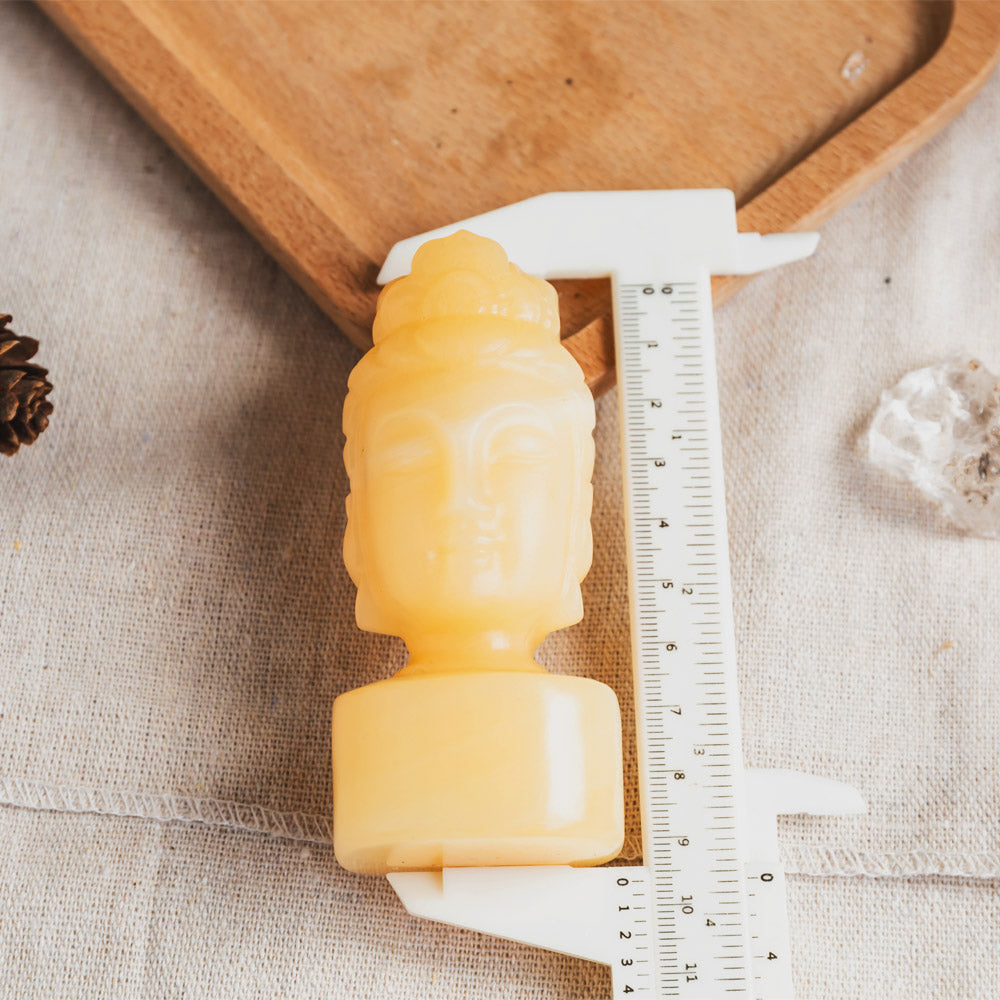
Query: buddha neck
{"type": "Point", "coordinates": [486, 651]}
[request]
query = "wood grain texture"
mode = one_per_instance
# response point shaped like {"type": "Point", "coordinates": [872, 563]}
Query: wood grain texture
{"type": "Point", "coordinates": [334, 129]}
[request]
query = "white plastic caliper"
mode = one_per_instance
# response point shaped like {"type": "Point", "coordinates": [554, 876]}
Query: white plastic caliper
{"type": "Point", "coordinates": [704, 916]}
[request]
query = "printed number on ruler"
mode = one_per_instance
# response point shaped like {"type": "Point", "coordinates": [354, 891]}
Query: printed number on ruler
{"type": "Point", "coordinates": [631, 964]}
{"type": "Point", "coordinates": [683, 647]}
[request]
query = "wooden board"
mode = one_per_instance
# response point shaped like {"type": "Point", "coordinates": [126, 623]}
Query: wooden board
{"type": "Point", "coordinates": [334, 129]}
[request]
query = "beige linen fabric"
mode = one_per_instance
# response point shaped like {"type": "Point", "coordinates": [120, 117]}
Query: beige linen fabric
{"type": "Point", "coordinates": [176, 619]}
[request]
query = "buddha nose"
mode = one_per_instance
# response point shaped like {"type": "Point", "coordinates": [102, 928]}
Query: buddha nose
{"type": "Point", "coordinates": [467, 496]}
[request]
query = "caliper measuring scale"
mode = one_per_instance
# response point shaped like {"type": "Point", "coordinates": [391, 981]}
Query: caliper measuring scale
{"type": "Point", "coordinates": [704, 916]}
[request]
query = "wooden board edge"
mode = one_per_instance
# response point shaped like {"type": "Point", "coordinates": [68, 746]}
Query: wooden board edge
{"type": "Point", "coordinates": [876, 141]}
{"type": "Point", "coordinates": [859, 154]}
{"type": "Point", "coordinates": [110, 35]}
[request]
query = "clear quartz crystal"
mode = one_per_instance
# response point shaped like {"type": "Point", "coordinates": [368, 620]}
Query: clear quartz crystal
{"type": "Point", "coordinates": [939, 429]}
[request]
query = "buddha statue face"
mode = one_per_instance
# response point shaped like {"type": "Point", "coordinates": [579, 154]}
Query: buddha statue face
{"type": "Point", "coordinates": [470, 457]}
{"type": "Point", "coordinates": [468, 508]}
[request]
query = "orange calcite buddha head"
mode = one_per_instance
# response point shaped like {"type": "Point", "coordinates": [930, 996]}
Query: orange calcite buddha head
{"type": "Point", "coordinates": [469, 450]}
{"type": "Point", "coordinates": [470, 453]}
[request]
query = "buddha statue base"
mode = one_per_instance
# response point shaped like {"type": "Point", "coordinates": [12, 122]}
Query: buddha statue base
{"type": "Point", "coordinates": [477, 769]}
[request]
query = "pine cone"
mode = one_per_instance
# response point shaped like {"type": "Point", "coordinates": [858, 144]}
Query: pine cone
{"type": "Point", "coordinates": [24, 410]}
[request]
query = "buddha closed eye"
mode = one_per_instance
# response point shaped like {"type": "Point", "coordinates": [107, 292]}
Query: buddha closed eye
{"type": "Point", "coordinates": [407, 445]}
{"type": "Point", "coordinates": [522, 444]}
{"type": "Point", "coordinates": [478, 454]}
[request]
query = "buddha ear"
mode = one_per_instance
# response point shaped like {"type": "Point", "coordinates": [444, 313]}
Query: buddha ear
{"type": "Point", "coordinates": [571, 607]}
{"type": "Point", "coordinates": [366, 613]}
{"type": "Point", "coordinates": [580, 556]}
{"type": "Point", "coordinates": [583, 543]}
{"type": "Point", "coordinates": [366, 610]}
{"type": "Point", "coordinates": [352, 557]}
{"type": "Point", "coordinates": [352, 560]}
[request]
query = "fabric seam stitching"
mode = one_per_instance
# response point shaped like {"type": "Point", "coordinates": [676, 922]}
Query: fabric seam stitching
{"type": "Point", "coordinates": [799, 859]}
